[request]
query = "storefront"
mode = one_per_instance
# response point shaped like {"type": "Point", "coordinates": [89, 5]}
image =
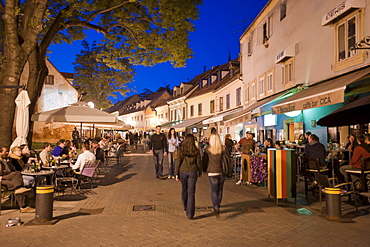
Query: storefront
{"type": "Point", "coordinates": [305, 108]}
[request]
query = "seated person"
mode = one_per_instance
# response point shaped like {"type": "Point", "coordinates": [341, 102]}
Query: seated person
{"type": "Point", "coordinates": [67, 148]}
{"type": "Point", "coordinates": [85, 156]}
{"type": "Point", "coordinates": [306, 140]}
{"type": "Point", "coordinates": [268, 143]}
{"type": "Point", "coordinates": [45, 155]}
{"type": "Point", "coordinates": [277, 145]}
{"type": "Point", "coordinates": [362, 151]}
{"type": "Point", "coordinates": [58, 150]}
{"type": "Point", "coordinates": [315, 149]}
{"type": "Point", "coordinates": [12, 180]}
{"type": "Point", "coordinates": [98, 151]}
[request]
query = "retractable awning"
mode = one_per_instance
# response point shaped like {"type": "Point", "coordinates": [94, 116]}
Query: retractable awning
{"type": "Point", "coordinates": [221, 116]}
{"type": "Point", "coordinates": [189, 122]}
{"type": "Point", "coordinates": [326, 93]}
{"type": "Point", "coordinates": [246, 114]}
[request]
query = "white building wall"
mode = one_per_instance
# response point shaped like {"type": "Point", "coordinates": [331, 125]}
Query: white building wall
{"type": "Point", "coordinates": [302, 31]}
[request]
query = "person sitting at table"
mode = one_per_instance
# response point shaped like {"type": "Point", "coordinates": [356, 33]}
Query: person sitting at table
{"type": "Point", "coordinates": [352, 142]}
{"type": "Point", "coordinates": [367, 139]}
{"type": "Point", "coordinates": [277, 145]}
{"type": "Point", "coordinates": [362, 151]}
{"type": "Point", "coordinates": [58, 150]}
{"type": "Point", "coordinates": [16, 162]}
{"type": "Point", "coordinates": [268, 143]}
{"type": "Point", "coordinates": [98, 151]}
{"type": "Point", "coordinates": [315, 149]}
{"type": "Point", "coordinates": [66, 148]}
{"type": "Point", "coordinates": [12, 180]}
{"type": "Point", "coordinates": [85, 156]}
{"type": "Point", "coordinates": [45, 155]}
{"type": "Point", "coordinates": [305, 140]}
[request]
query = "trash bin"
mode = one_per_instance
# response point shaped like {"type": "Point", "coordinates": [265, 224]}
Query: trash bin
{"type": "Point", "coordinates": [333, 203]}
{"type": "Point", "coordinates": [44, 202]}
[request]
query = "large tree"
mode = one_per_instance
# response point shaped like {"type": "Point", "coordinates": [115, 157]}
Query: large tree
{"type": "Point", "coordinates": [96, 79]}
{"type": "Point", "coordinates": [146, 32]}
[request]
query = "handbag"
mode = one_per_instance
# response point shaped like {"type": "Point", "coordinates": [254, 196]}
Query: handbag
{"type": "Point", "coordinates": [175, 154]}
{"type": "Point", "coordinates": [226, 163]}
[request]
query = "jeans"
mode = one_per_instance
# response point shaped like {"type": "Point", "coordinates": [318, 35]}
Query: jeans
{"type": "Point", "coordinates": [217, 185]}
{"type": "Point", "coordinates": [171, 164]}
{"type": "Point", "coordinates": [158, 161]}
{"type": "Point", "coordinates": [188, 182]}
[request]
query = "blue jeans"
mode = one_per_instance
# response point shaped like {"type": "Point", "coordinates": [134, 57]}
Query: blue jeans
{"type": "Point", "coordinates": [158, 161]}
{"type": "Point", "coordinates": [171, 164]}
{"type": "Point", "coordinates": [188, 182]}
{"type": "Point", "coordinates": [217, 185]}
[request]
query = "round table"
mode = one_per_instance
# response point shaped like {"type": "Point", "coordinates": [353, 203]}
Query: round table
{"type": "Point", "coordinates": [40, 173]}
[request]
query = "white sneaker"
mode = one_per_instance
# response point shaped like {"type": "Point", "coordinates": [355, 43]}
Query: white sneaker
{"type": "Point", "coordinates": [239, 182]}
{"type": "Point", "coordinates": [169, 176]}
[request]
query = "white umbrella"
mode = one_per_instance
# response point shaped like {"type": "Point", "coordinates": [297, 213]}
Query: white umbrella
{"type": "Point", "coordinates": [79, 112]}
{"type": "Point", "coordinates": [22, 118]}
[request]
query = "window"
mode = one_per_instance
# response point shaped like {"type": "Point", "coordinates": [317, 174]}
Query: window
{"type": "Point", "coordinates": [287, 72]}
{"type": "Point", "coordinates": [269, 83]}
{"type": "Point", "coordinates": [200, 109]}
{"type": "Point", "coordinates": [254, 91]}
{"type": "Point", "coordinates": [227, 101]}
{"type": "Point", "coordinates": [171, 115]}
{"type": "Point", "coordinates": [238, 96]}
{"type": "Point", "coordinates": [141, 118]}
{"type": "Point", "coordinates": [221, 103]}
{"type": "Point", "coordinates": [246, 94]}
{"type": "Point", "coordinates": [49, 80]}
{"type": "Point", "coordinates": [181, 90]}
{"type": "Point", "coordinates": [249, 46]}
{"type": "Point", "coordinates": [212, 106]}
{"type": "Point", "coordinates": [346, 34]}
{"type": "Point", "coordinates": [183, 113]}
{"type": "Point", "coordinates": [282, 9]}
{"type": "Point", "coordinates": [175, 114]}
{"type": "Point", "coordinates": [262, 86]}
{"type": "Point", "coordinates": [192, 111]}
{"type": "Point", "coordinates": [166, 116]}
{"type": "Point", "coordinates": [267, 29]}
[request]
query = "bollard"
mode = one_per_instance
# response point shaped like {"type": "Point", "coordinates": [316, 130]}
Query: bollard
{"type": "Point", "coordinates": [44, 203]}
{"type": "Point", "coordinates": [333, 203]}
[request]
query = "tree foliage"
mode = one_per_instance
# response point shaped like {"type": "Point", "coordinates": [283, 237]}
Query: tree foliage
{"type": "Point", "coordinates": [96, 80]}
{"type": "Point", "coordinates": [145, 32]}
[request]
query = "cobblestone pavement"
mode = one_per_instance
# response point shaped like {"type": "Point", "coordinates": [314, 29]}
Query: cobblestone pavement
{"type": "Point", "coordinates": [104, 216]}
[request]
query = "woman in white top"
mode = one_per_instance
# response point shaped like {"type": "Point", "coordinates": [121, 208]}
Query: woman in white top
{"type": "Point", "coordinates": [173, 143]}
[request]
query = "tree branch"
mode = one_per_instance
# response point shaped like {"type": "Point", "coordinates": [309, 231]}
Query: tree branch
{"type": "Point", "coordinates": [84, 24]}
{"type": "Point", "coordinates": [91, 17]}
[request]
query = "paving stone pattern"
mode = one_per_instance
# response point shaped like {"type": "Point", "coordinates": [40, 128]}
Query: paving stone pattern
{"type": "Point", "coordinates": [104, 216]}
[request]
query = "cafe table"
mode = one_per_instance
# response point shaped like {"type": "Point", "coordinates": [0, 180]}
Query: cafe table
{"type": "Point", "coordinates": [335, 152]}
{"type": "Point", "coordinates": [56, 168]}
{"type": "Point", "coordinates": [41, 173]}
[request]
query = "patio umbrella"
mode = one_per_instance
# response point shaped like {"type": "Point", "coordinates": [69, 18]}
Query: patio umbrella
{"type": "Point", "coordinates": [356, 112]}
{"type": "Point", "coordinates": [78, 112]}
{"type": "Point", "coordinates": [22, 117]}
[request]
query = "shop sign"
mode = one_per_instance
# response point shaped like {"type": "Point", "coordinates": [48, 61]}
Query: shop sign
{"type": "Point", "coordinates": [311, 102]}
{"type": "Point", "coordinates": [285, 54]}
{"type": "Point", "coordinates": [340, 9]}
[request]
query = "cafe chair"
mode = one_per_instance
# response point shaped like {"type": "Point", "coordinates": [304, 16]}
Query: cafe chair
{"type": "Point", "coordinates": [312, 166]}
{"type": "Point", "coordinates": [363, 174]}
{"type": "Point", "coordinates": [4, 193]}
{"type": "Point", "coordinates": [325, 182]}
{"type": "Point", "coordinates": [62, 183]}
{"type": "Point", "coordinates": [87, 173]}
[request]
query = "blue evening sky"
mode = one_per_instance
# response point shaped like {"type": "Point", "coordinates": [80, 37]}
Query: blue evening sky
{"type": "Point", "coordinates": [217, 34]}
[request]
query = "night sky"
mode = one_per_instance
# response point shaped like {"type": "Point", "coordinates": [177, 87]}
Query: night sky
{"type": "Point", "coordinates": [217, 34]}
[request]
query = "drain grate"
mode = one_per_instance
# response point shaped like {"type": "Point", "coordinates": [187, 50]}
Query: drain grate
{"type": "Point", "coordinates": [143, 208]}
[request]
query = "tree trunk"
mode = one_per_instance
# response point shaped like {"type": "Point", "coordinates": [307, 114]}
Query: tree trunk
{"type": "Point", "coordinates": [37, 74]}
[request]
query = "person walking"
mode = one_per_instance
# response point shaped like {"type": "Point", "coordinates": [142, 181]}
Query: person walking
{"type": "Point", "coordinates": [188, 170]}
{"type": "Point", "coordinates": [212, 163]}
{"type": "Point", "coordinates": [173, 143]}
{"type": "Point", "coordinates": [158, 146]}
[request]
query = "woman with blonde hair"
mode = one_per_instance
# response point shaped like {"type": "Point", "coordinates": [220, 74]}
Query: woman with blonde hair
{"type": "Point", "coordinates": [187, 171]}
{"type": "Point", "coordinates": [212, 162]}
